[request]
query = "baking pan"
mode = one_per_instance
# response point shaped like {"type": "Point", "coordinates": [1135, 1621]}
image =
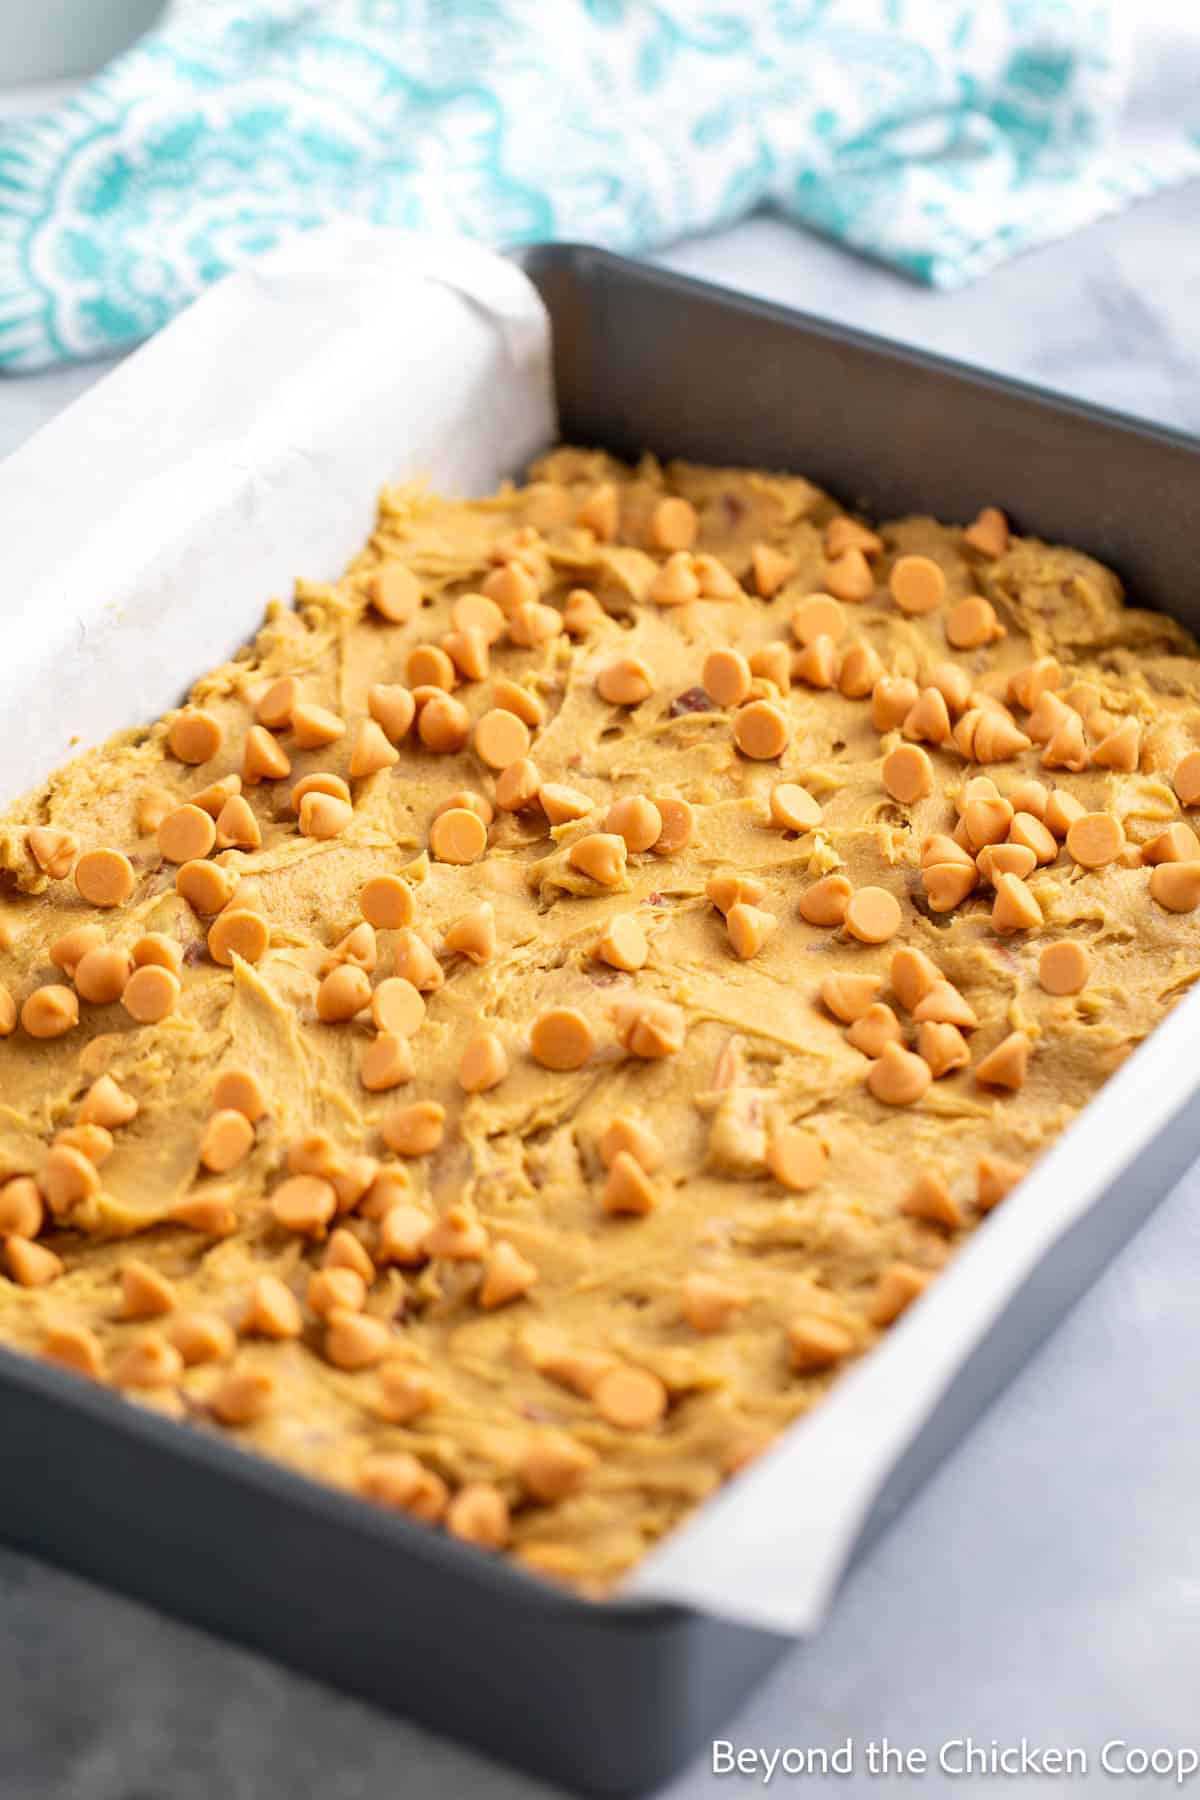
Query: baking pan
{"type": "Point", "coordinates": [611, 1698]}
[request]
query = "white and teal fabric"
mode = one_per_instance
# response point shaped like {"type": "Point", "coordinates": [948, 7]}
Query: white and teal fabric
{"type": "Point", "coordinates": [938, 135]}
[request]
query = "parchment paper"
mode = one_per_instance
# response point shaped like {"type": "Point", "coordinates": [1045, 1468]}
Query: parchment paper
{"type": "Point", "coordinates": [142, 533]}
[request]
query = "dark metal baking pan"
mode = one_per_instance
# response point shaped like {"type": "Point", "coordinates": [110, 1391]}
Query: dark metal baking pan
{"type": "Point", "coordinates": [611, 1698]}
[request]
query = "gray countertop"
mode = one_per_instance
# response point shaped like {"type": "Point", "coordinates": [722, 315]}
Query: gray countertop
{"type": "Point", "coordinates": [1046, 1584]}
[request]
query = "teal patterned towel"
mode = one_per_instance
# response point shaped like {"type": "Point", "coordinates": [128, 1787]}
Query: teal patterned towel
{"type": "Point", "coordinates": [938, 135]}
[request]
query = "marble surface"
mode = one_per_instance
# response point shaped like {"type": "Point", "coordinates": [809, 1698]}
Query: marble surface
{"type": "Point", "coordinates": [1046, 1583]}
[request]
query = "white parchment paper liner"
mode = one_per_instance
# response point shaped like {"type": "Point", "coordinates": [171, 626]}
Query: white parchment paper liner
{"type": "Point", "coordinates": [143, 530]}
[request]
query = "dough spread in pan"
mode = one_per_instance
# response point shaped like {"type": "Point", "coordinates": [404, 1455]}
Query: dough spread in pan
{"type": "Point", "coordinates": [555, 999]}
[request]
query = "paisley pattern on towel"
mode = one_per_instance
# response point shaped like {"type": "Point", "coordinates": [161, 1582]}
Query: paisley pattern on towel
{"type": "Point", "coordinates": [939, 137]}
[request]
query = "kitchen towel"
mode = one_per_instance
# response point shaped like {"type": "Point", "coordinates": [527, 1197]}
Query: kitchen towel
{"type": "Point", "coordinates": [936, 135]}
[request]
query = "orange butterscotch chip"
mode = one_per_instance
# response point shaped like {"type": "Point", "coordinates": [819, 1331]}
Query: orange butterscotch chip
{"type": "Point", "coordinates": [237, 826]}
{"type": "Point", "coordinates": [628, 1188]}
{"type": "Point", "coordinates": [67, 1177]}
{"type": "Point", "coordinates": [793, 807]}
{"type": "Point", "coordinates": [202, 1337]}
{"type": "Point", "coordinates": [319, 782]}
{"type": "Point", "coordinates": [582, 612]}
{"type": "Point", "coordinates": [708, 1303]}
{"type": "Point", "coordinates": [726, 677]}
{"type": "Point", "coordinates": [1067, 746]}
{"type": "Point", "coordinates": [844, 533]}
{"type": "Point", "coordinates": [773, 663]}
{"type": "Point", "coordinates": [531, 624]}
{"type": "Point", "coordinates": [561, 1039]}
{"type": "Point", "coordinates": [53, 851]}
{"type": "Point", "coordinates": [394, 592]}
{"type": "Point", "coordinates": [69, 950]}
{"type": "Point", "coordinates": [678, 826]}
{"type": "Point", "coordinates": [554, 1466]}
{"type": "Point", "coordinates": [50, 1011]}
{"type": "Point", "coordinates": [1063, 968]}
{"type": "Point", "coordinates": [907, 774]}
{"type": "Point", "coordinates": [510, 587]}
{"type": "Point", "coordinates": [386, 902]}
{"type": "Point", "coordinates": [1186, 779]}
{"type": "Point", "coordinates": [917, 584]}
{"type": "Point", "coordinates": [599, 513]}
{"type": "Point", "coordinates": [272, 1310]}
{"type": "Point", "coordinates": [304, 1204]}
{"type": "Point", "coordinates": [972, 622]}
{"type": "Point", "coordinates": [344, 1251]}
{"type": "Point", "coordinates": [817, 616]}
{"type": "Point", "coordinates": [761, 730]}
{"type": "Point", "coordinates": [859, 671]}
{"type": "Point", "coordinates": [106, 1103]}
{"type": "Point", "coordinates": [402, 1233]}
{"type": "Point", "coordinates": [21, 1213]}
{"type": "Point", "coordinates": [929, 1198]}
{"type": "Point", "coordinates": [796, 1158]}
{"type": "Point", "coordinates": [468, 651]}
{"type": "Point", "coordinates": [625, 1133]}
{"type": "Point", "coordinates": [513, 698]}
{"type": "Point", "coordinates": [228, 1139]}
{"type": "Point", "coordinates": [928, 717]}
{"type": "Point", "coordinates": [943, 1047]}
{"type": "Point", "coordinates": [635, 819]}
{"type": "Point", "coordinates": [210, 1212]}
{"type": "Point", "coordinates": [244, 1396]}
{"type": "Point", "coordinates": [386, 1062]}
{"type": "Point", "coordinates": [895, 1292]}
{"type": "Point", "coordinates": [194, 735]}
{"type": "Point", "coordinates": [1028, 830]}
{"type": "Point", "coordinates": [849, 576]}
{"type": "Point", "coordinates": [501, 738]}
{"type": "Point", "coordinates": [648, 1027]}
{"type": "Point", "coordinates": [444, 724]}
{"type": "Point", "coordinates": [397, 1006]}
{"type": "Point", "coordinates": [942, 1004]}
{"type": "Point", "coordinates": [101, 975]}
{"type": "Point", "coordinates": [826, 901]}
{"type": "Point", "coordinates": [372, 752]}
{"type": "Point", "coordinates": [354, 1340]}
{"type": "Point", "coordinates": [393, 709]}
{"type": "Point", "coordinates": [414, 960]}
{"type": "Point", "coordinates": [622, 944]}
{"type": "Point", "coordinates": [995, 1177]}
{"type": "Point", "coordinates": [630, 1399]}
{"type": "Point", "coordinates": [473, 935]}
{"type": "Point", "coordinates": [313, 727]}
{"type": "Point", "coordinates": [262, 758]}
{"type": "Point", "coordinates": [458, 1235]}
{"type": "Point", "coordinates": [848, 997]}
{"type": "Point", "coordinates": [478, 1514]}
{"type": "Point", "coordinates": [1062, 810]}
{"type": "Point", "coordinates": [483, 1063]}
{"type": "Point", "coordinates": [815, 1344]}
{"type": "Point", "coordinates": [1095, 839]}
{"type": "Point", "coordinates": [716, 582]}
{"type": "Point", "coordinates": [458, 836]}
{"type": "Point", "coordinates": [216, 795]}
{"type": "Point", "coordinates": [626, 682]}
{"type": "Point", "coordinates": [600, 856]}
{"type": "Point", "coordinates": [1176, 886]}
{"type": "Point", "coordinates": [400, 1481]}
{"type": "Point", "coordinates": [953, 684]}
{"type": "Point", "coordinates": [416, 1129]}
{"type": "Point", "coordinates": [145, 1292]}
{"type": "Point", "coordinates": [239, 1090]}
{"type": "Point", "coordinates": [817, 663]}
{"type": "Point", "coordinates": [1006, 1065]}
{"type": "Point", "coordinates": [324, 816]}
{"type": "Point", "coordinates": [507, 1276]}
{"type": "Point", "coordinates": [274, 706]}
{"type": "Point", "coordinates": [342, 993]}
{"type": "Point", "coordinates": [104, 877]}
{"type": "Point", "coordinates": [873, 915]}
{"type": "Point", "coordinates": [726, 890]}
{"type": "Point", "coordinates": [148, 1362]}
{"type": "Point", "coordinates": [475, 612]}
{"type": "Point", "coordinates": [31, 1265]}
{"type": "Point", "coordinates": [207, 887]}
{"type": "Point", "coordinates": [771, 569]}
{"type": "Point", "coordinates": [988, 533]}
{"type": "Point", "coordinates": [74, 1347]}
{"type": "Point", "coordinates": [672, 525]}
{"type": "Point", "coordinates": [186, 833]}
{"type": "Point", "coordinates": [874, 1028]}
{"type": "Point", "coordinates": [898, 1077]}
{"type": "Point", "coordinates": [152, 806]}
{"type": "Point", "coordinates": [238, 932]}
{"type": "Point", "coordinates": [1178, 843]}
{"type": "Point", "coordinates": [1119, 748]}
{"type": "Point", "coordinates": [912, 975]}
{"type": "Point", "coordinates": [892, 699]}
{"type": "Point", "coordinates": [1015, 907]}
{"type": "Point", "coordinates": [518, 786]}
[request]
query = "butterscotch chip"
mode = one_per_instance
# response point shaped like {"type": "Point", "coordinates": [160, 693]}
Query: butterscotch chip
{"type": "Point", "coordinates": [397, 1007]}
{"type": "Point", "coordinates": [153, 805]}
{"type": "Point", "coordinates": [897, 1077]}
{"type": "Point", "coordinates": [648, 1027]}
{"type": "Point", "coordinates": [344, 1251]}
{"type": "Point", "coordinates": [928, 717]}
{"type": "Point", "coordinates": [483, 1063]}
{"type": "Point", "coordinates": [507, 1276]}
{"type": "Point", "coordinates": [995, 1176]}
{"type": "Point", "coordinates": [104, 877]}
{"type": "Point", "coordinates": [912, 974]}
{"type": "Point", "coordinates": [205, 886]}
{"type": "Point", "coordinates": [468, 651]}
{"type": "Point", "coordinates": [562, 804]}
{"type": "Point", "coordinates": [815, 1344]}
{"type": "Point", "coordinates": [625, 1133]}
{"type": "Point", "coordinates": [600, 512]}
{"type": "Point", "coordinates": [678, 826]}
{"type": "Point", "coordinates": [943, 1047]}
{"type": "Point", "coordinates": [69, 950]}
{"type": "Point", "coordinates": [726, 677]}
{"type": "Point", "coordinates": [874, 1028]}
{"type": "Point", "coordinates": [353, 1340]}
{"type": "Point", "coordinates": [202, 1337]}
{"type": "Point", "coordinates": [262, 758]}
{"type": "Point", "coordinates": [860, 669]}
{"type": "Point", "coordinates": [895, 1292]}
{"type": "Point", "coordinates": [239, 1090]}
{"type": "Point", "coordinates": [1015, 907]}
{"type": "Point", "coordinates": [92, 1141]}
{"type": "Point", "coordinates": [475, 612]}
{"type": "Point", "coordinates": [1029, 831]}
{"type": "Point", "coordinates": [74, 1347]}
{"type": "Point", "coordinates": [8, 1012]}
{"type": "Point", "coordinates": [531, 623]}
{"type": "Point", "coordinates": [395, 593]}
{"type": "Point", "coordinates": [335, 1289]}
{"type": "Point", "coordinates": [386, 902]}
{"type": "Point", "coordinates": [304, 1204]}
{"type": "Point", "coordinates": [819, 616]}
{"type": "Point", "coordinates": [272, 1310]}
{"type": "Point", "coordinates": [773, 662]}
{"type": "Point", "coordinates": [53, 851]}
{"type": "Point", "coordinates": [101, 975]}
{"type": "Point", "coordinates": [672, 525]}
{"type": "Point", "coordinates": [630, 1399]}
{"type": "Point", "coordinates": [972, 622]}
{"type": "Point", "coordinates": [458, 836]}
{"type": "Point", "coordinates": [848, 997]}
{"type": "Point", "coordinates": [771, 569]}
{"type": "Point", "coordinates": [458, 1235]}
{"type": "Point", "coordinates": [151, 993]}
{"type": "Point", "coordinates": [708, 1303]}
{"type": "Point", "coordinates": [953, 684]}
{"type": "Point", "coordinates": [67, 1177]}
{"type": "Point", "coordinates": [511, 586]}
{"type": "Point", "coordinates": [726, 890]}
{"type": "Point", "coordinates": [210, 1212]}
{"type": "Point", "coordinates": [907, 774]}
{"type": "Point", "coordinates": [1186, 779]}
{"type": "Point", "coordinates": [444, 724]}
{"type": "Point", "coordinates": [948, 884]}
{"type": "Point", "coordinates": [228, 1139]}
{"type": "Point", "coordinates": [622, 944]}
{"type": "Point", "coordinates": [849, 576]}
{"type": "Point", "coordinates": [628, 1188]}
{"type": "Point", "coordinates": [518, 786]}
{"type": "Point", "coordinates": [1062, 810]}
{"type": "Point", "coordinates": [399, 1481]}
{"type": "Point", "coordinates": [50, 1011]}
{"type": "Point", "coordinates": [601, 857]}
{"type": "Point", "coordinates": [626, 682]}
{"type": "Point", "coordinates": [929, 1198]}
{"type": "Point", "coordinates": [892, 700]}
{"type": "Point", "coordinates": [986, 820]}
{"type": "Point", "coordinates": [1095, 839]}
{"type": "Point", "coordinates": [414, 960]}
{"type": "Point", "coordinates": [323, 817]}
{"type": "Point", "coordinates": [238, 932]}
{"type": "Point", "coordinates": [244, 1396]}
{"type": "Point", "coordinates": [817, 663]}
{"type": "Point", "coordinates": [844, 533]}
{"type": "Point", "coordinates": [236, 825]}
{"type": "Point", "coordinates": [748, 928]}
{"type": "Point", "coordinates": [872, 915]}
{"type": "Point", "coordinates": [916, 584]}
{"type": "Point", "coordinates": [186, 833]}
{"type": "Point", "coordinates": [942, 1004]}
{"type": "Point", "coordinates": [157, 947]}
{"type": "Point", "coordinates": [478, 1513]}
{"type": "Point", "coordinates": [761, 730]}
{"type": "Point", "coordinates": [275, 703]}
{"type": "Point", "coordinates": [194, 736]}
{"type": "Point", "coordinates": [149, 1362]}
{"type": "Point", "coordinates": [1176, 886]}
{"type": "Point", "coordinates": [1006, 1065]}
{"type": "Point", "coordinates": [635, 819]}
{"type": "Point", "coordinates": [344, 992]}
{"type": "Point", "coordinates": [793, 807]}
{"type": "Point", "coordinates": [417, 1129]}
{"type": "Point", "coordinates": [1063, 968]}
{"type": "Point", "coordinates": [826, 901]}
{"type": "Point", "coordinates": [796, 1158]}
{"type": "Point", "coordinates": [988, 533]}
{"type": "Point", "coordinates": [403, 1230]}
{"type": "Point", "coordinates": [716, 582]}
{"type": "Point", "coordinates": [20, 1208]}
{"type": "Point", "coordinates": [145, 1292]}
{"type": "Point", "coordinates": [30, 1265]}
{"type": "Point", "coordinates": [582, 612]}
{"type": "Point", "coordinates": [501, 738]}
{"type": "Point", "coordinates": [561, 1039]}
{"type": "Point", "coordinates": [106, 1103]}
{"type": "Point", "coordinates": [1178, 843]}
{"type": "Point", "coordinates": [1067, 747]}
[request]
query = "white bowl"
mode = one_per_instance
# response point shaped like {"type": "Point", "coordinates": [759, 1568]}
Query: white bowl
{"type": "Point", "coordinates": [49, 40]}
